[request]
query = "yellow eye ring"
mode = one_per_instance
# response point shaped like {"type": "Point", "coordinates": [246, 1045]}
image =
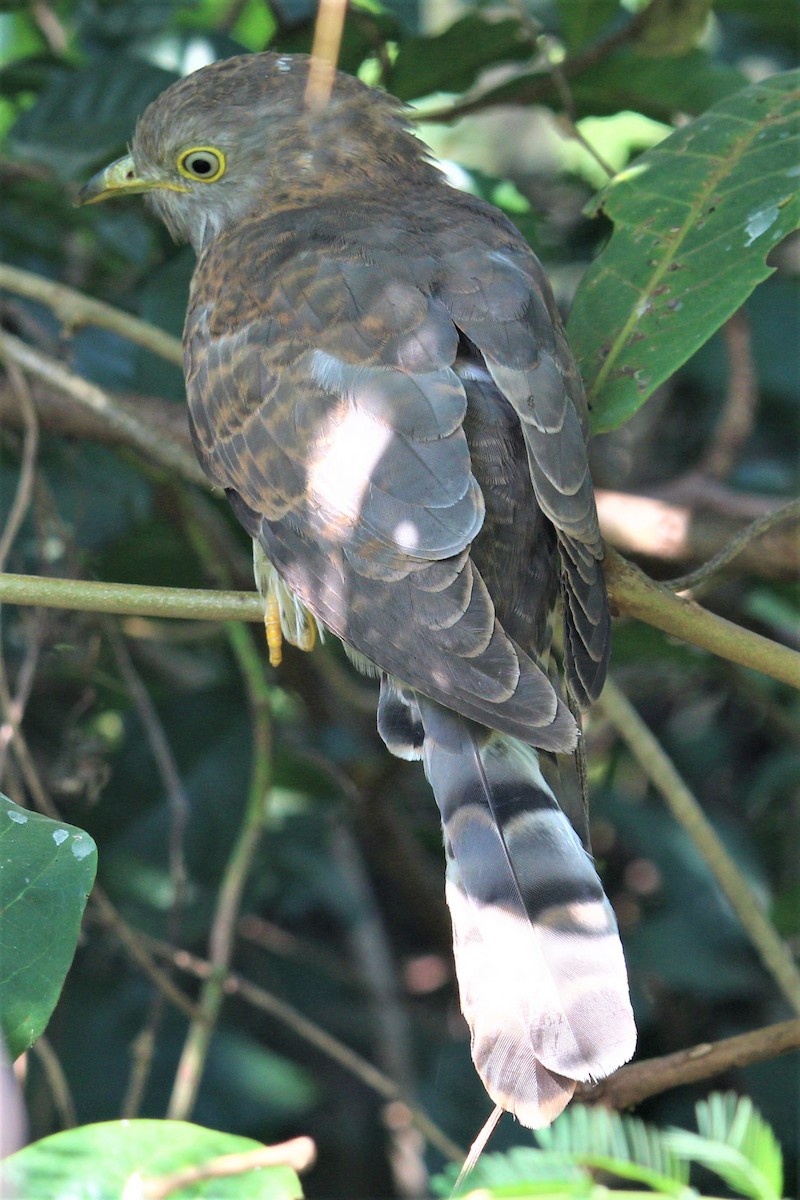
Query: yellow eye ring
{"type": "Point", "coordinates": [203, 164]}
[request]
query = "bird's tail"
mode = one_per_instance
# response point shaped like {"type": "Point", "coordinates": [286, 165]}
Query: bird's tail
{"type": "Point", "coordinates": [540, 968]}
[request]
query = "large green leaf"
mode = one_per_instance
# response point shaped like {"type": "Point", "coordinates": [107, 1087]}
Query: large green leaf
{"type": "Point", "coordinates": [658, 87]}
{"type": "Point", "coordinates": [451, 60]}
{"type": "Point", "coordinates": [84, 118]}
{"type": "Point", "coordinates": [46, 872]}
{"type": "Point", "coordinates": [694, 220]}
{"type": "Point", "coordinates": [95, 1162]}
{"type": "Point", "coordinates": [582, 20]}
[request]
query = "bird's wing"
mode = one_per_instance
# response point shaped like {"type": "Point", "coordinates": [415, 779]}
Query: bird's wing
{"type": "Point", "coordinates": [498, 296]}
{"type": "Point", "coordinates": [324, 399]}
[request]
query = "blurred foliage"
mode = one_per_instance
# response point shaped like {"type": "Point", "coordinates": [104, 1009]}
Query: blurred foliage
{"type": "Point", "coordinates": [343, 915]}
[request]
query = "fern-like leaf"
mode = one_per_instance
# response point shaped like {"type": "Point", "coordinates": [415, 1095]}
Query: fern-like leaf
{"type": "Point", "coordinates": [529, 1172]}
{"type": "Point", "coordinates": [735, 1143]}
{"type": "Point", "coordinates": [625, 1146]}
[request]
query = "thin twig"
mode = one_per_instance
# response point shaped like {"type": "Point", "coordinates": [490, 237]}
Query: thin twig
{"type": "Point", "coordinates": [26, 674]}
{"type": "Point", "coordinates": [738, 414]}
{"type": "Point", "coordinates": [23, 493]}
{"type": "Point", "coordinates": [632, 594]}
{"type": "Point", "coordinates": [14, 706]}
{"type": "Point", "coordinates": [132, 942]}
{"type": "Point", "coordinates": [326, 1043]}
{"type": "Point", "coordinates": [532, 88]}
{"type": "Point", "coordinates": [478, 1146]}
{"type": "Point", "coordinates": [130, 599]}
{"type": "Point", "coordinates": [135, 432]}
{"type": "Point", "coordinates": [570, 117]}
{"type": "Point", "coordinates": [659, 769]}
{"type": "Point", "coordinates": [22, 754]}
{"type": "Point", "coordinates": [704, 574]}
{"type": "Point", "coordinates": [178, 805]}
{"type": "Point", "coordinates": [74, 310]}
{"type": "Point", "coordinates": [129, 938]}
{"type": "Point", "coordinates": [370, 949]}
{"type": "Point", "coordinates": [195, 1050]}
{"type": "Point", "coordinates": [56, 1082]}
{"type": "Point", "coordinates": [636, 1082]}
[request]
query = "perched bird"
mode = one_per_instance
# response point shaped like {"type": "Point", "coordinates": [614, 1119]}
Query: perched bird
{"type": "Point", "coordinates": [378, 377]}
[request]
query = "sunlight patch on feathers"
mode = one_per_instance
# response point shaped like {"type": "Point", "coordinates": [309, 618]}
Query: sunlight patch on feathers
{"type": "Point", "coordinates": [340, 469]}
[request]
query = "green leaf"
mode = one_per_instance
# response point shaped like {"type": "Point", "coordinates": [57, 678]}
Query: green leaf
{"type": "Point", "coordinates": [450, 61]}
{"type": "Point", "coordinates": [84, 118]}
{"type": "Point", "coordinates": [736, 1143]}
{"type": "Point", "coordinates": [694, 220]}
{"type": "Point", "coordinates": [655, 87]}
{"type": "Point", "coordinates": [521, 1171]}
{"type": "Point", "coordinates": [47, 870]}
{"type": "Point", "coordinates": [673, 26]}
{"type": "Point", "coordinates": [582, 20]}
{"type": "Point", "coordinates": [624, 1146]}
{"type": "Point", "coordinates": [95, 1162]}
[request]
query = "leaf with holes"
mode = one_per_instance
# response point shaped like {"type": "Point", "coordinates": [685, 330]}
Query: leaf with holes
{"type": "Point", "coordinates": [694, 220]}
{"type": "Point", "coordinates": [47, 870]}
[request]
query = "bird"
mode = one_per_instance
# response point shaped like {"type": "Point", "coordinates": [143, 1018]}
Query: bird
{"type": "Point", "coordinates": [378, 377]}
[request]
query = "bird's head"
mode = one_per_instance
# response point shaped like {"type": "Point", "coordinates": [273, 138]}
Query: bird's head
{"type": "Point", "coordinates": [239, 136]}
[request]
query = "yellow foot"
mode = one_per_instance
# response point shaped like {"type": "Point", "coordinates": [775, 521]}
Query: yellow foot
{"type": "Point", "coordinates": [272, 624]}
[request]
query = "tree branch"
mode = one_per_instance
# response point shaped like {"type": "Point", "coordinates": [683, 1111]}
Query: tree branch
{"type": "Point", "coordinates": [634, 1083]}
{"type": "Point", "coordinates": [633, 594]}
{"type": "Point", "coordinates": [132, 431]}
{"type": "Point", "coordinates": [74, 309]}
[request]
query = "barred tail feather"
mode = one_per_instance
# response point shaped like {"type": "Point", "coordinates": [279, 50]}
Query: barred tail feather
{"type": "Point", "coordinates": [540, 968]}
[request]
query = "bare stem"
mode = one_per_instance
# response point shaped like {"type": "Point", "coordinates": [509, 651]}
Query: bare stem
{"type": "Point", "coordinates": [195, 1050]}
{"type": "Point", "coordinates": [704, 574]}
{"type": "Point", "coordinates": [661, 772]}
{"type": "Point", "coordinates": [323, 1041]}
{"type": "Point", "coordinates": [633, 594]}
{"type": "Point", "coordinates": [136, 433]}
{"type": "Point", "coordinates": [23, 493]}
{"type": "Point", "coordinates": [74, 310]}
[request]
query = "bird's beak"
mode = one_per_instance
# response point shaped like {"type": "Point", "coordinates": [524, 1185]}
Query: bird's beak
{"type": "Point", "coordinates": [120, 179]}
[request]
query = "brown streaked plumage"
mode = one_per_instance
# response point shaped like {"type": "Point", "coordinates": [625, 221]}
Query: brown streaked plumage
{"type": "Point", "coordinates": [378, 376]}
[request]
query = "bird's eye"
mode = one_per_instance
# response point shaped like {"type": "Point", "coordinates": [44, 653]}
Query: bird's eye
{"type": "Point", "coordinates": [203, 163]}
